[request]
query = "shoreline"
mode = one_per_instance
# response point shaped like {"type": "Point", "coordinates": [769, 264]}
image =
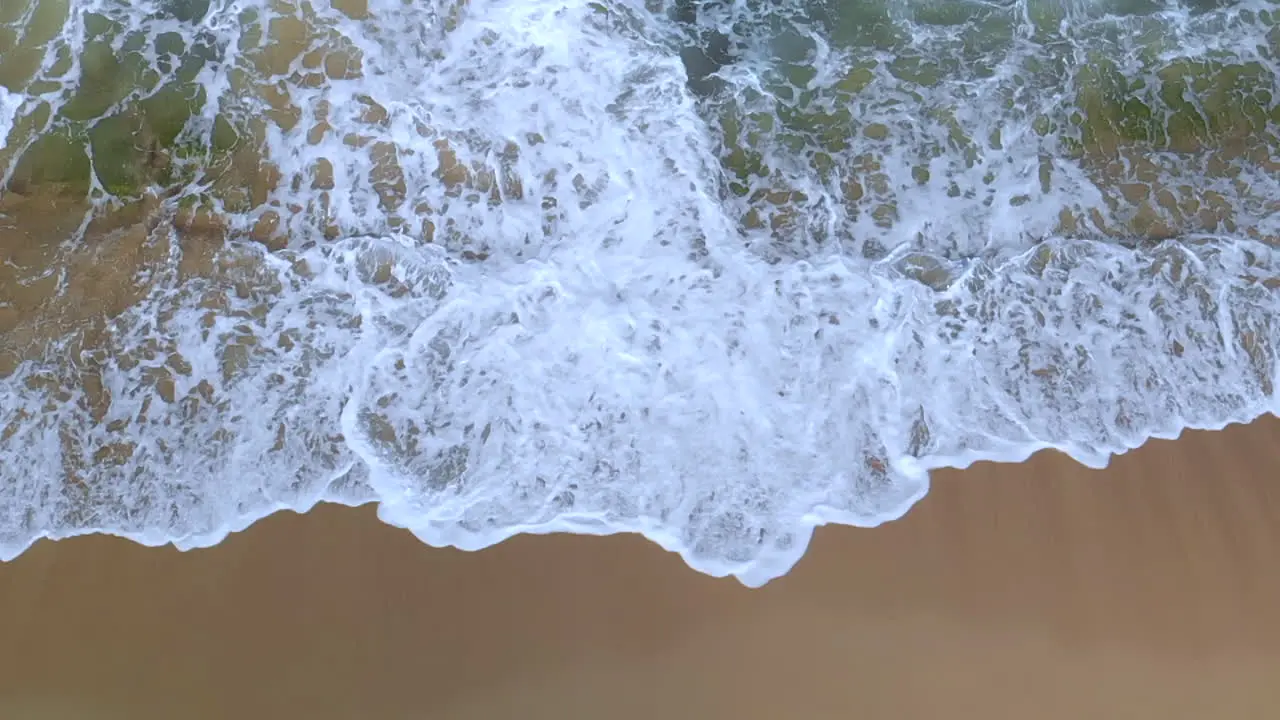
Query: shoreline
{"type": "Point", "coordinates": [1042, 587]}
{"type": "Point", "coordinates": [826, 516]}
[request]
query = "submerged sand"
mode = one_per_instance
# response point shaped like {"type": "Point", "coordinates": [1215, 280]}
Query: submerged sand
{"type": "Point", "coordinates": [1042, 590]}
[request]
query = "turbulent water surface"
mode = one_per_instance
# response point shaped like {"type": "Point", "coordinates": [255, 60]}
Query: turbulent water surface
{"type": "Point", "coordinates": [714, 271]}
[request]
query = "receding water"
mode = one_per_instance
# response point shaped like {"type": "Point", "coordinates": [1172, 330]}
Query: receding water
{"type": "Point", "coordinates": [716, 272]}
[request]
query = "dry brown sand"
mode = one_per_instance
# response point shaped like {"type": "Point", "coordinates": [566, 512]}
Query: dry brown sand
{"type": "Point", "coordinates": [1041, 590]}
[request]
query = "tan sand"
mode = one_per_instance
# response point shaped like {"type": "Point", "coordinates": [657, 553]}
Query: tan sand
{"type": "Point", "coordinates": [1042, 590]}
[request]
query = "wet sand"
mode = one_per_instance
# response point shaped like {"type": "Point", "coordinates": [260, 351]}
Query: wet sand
{"type": "Point", "coordinates": [1042, 590]}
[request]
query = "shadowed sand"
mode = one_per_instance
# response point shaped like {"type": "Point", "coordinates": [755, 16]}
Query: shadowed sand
{"type": "Point", "coordinates": [1042, 590]}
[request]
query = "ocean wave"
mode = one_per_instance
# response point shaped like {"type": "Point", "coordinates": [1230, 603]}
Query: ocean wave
{"type": "Point", "coordinates": [511, 272]}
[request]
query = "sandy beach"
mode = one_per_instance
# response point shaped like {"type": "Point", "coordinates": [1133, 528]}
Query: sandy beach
{"type": "Point", "coordinates": [1041, 590]}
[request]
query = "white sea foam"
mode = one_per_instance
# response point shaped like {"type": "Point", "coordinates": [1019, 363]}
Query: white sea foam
{"type": "Point", "coordinates": [10, 103]}
{"type": "Point", "coordinates": [628, 356]}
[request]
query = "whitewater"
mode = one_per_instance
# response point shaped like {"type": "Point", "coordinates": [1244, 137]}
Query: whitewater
{"type": "Point", "coordinates": [714, 273]}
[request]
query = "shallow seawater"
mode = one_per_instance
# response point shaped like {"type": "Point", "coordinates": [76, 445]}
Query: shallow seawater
{"type": "Point", "coordinates": [716, 272]}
